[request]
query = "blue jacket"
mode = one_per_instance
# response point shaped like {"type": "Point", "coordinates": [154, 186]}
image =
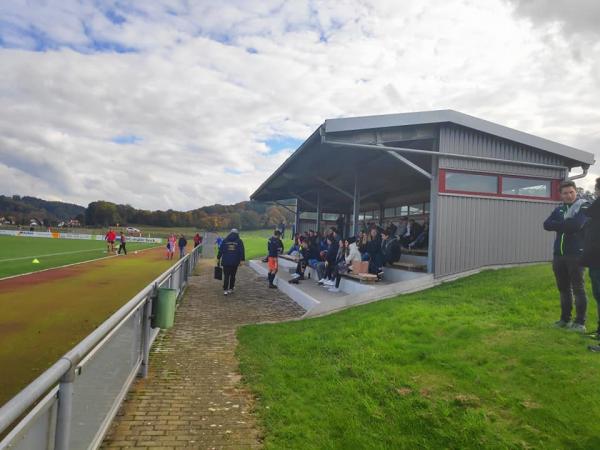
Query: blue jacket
{"type": "Point", "coordinates": [569, 232]}
{"type": "Point", "coordinates": [231, 252]}
{"type": "Point", "coordinates": [274, 246]}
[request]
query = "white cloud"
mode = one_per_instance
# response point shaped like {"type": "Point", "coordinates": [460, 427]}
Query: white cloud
{"type": "Point", "coordinates": [203, 108]}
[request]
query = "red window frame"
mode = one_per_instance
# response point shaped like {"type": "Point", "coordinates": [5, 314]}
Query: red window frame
{"type": "Point", "coordinates": [554, 186]}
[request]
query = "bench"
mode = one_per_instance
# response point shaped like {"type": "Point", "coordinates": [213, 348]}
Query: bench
{"type": "Point", "coordinates": [362, 277]}
{"type": "Point", "coordinates": [290, 258]}
{"type": "Point", "coordinates": [415, 251]}
{"type": "Point", "coordinates": [412, 267]}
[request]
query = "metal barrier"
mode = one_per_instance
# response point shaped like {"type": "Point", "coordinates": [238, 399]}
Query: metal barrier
{"type": "Point", "coordinates": [72, 404]}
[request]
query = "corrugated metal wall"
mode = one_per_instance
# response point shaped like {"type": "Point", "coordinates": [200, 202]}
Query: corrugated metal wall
{"type": "Point", "coordinates": [473, 232]}
{"type": "Point", "coordinates": [457, 139]}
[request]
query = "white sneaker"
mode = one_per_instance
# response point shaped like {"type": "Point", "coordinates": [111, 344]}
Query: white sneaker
{"type": "Point", "coordinates": [330, 282]}
{"type": "Point", "coordinates": [225, 292]}
{"type": "Point", "coordinates": [334, 289]}
{"type": "Point", "coordinates": [321, 281]}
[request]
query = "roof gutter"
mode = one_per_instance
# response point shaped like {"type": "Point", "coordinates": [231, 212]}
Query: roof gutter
{"type": "Point", "coordinates": [585, 168]}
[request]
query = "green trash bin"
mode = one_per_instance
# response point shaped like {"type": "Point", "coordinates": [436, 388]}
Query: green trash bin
{"type": "Point", "coordinates": [164, 308]}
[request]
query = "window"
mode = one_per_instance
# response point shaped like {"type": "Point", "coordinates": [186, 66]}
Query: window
{"type": "Point", "coordinates": [330, 217]}
{"type": "Point", "coordinates": [497, 185]}
{"type": "Point", "coordinates": [308, 215]}
{"type": "Point", "coordinates": [415, 210]}
{"type": "Point", "coordinates": [471, 182]}
{"type": "Point", "coordinates": [402, 211]}
{"type": "Point", "coordinates": [376, 214]}
{"type": "Point", "coordinates": [389, 212]}
{"type": "Point", "coordinates": [526, 187]}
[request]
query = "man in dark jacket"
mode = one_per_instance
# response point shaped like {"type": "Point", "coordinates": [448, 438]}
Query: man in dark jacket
{"type": "Point", "coordinates": [231, 254]}
{"type": "Point", "coordinates": [591, 253]}
{"type": "Point", "coordinates": [275, 247]}
{"type": "Point", "coordinates": [568, 220]}
{"type": "Point", "coordinates": [390, 247]}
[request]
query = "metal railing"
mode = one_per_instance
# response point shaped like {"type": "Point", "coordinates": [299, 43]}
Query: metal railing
{"type": "Point", "coordinates": [72, 404]}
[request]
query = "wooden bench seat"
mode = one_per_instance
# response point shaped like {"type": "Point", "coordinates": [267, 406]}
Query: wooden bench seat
{"type": "Point", "coordinates": [413, 267]}
{"type": "Point", "coordinates": [362, 277]}
{"type": "Point", "coordinates": [290, 258]}
{"type": "Point", "coordinates": [415, 251]}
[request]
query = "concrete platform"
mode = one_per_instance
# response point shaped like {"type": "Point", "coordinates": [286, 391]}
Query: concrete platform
{"type": "Point", "coordinates": [317, 300]}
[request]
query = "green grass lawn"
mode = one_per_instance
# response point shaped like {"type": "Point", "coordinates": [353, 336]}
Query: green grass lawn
{"type": "Point", "coordinates": [17, 253]}
{"type": "Point", "coordinates": [467, 365]}
{"type": "Point", "coordinates": [255, 242]}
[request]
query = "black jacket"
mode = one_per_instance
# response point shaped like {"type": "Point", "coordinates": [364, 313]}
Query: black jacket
{"type": "Point", "coordinates": [231, 251]}
{"type": "Point", "coordinates": [569, 232]}
{"type": "Point", "coordinates": [274, 246]}
{"type": "Point", "coordinates": [332, 251]}
{"type": "Point", "coordinates": [591, 242]}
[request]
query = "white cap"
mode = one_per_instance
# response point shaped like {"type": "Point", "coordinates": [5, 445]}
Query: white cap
{"type": "Point", "coordinates": [235, 230]}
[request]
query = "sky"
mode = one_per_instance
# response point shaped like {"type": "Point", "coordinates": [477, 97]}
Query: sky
{"type": "Point", "coordinates": [180, 104]}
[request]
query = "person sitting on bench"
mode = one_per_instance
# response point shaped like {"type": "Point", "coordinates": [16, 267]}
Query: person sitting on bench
{"type": "Point", "coordinates": [390, 247]}
{"type": "Point", "coordinates": [302, 263]}
{"type": "Point", "coordinates": [422, 240]}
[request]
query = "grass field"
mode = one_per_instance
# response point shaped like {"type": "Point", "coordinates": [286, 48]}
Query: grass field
{"type": "Point", "coordinates": [255, 242]}
{"type": "Point", "coordinates": [44, 315]}
{"type": "Point", "coordinates": [17, 253]}
{"type": "Point", "coordinates": [467, 365]}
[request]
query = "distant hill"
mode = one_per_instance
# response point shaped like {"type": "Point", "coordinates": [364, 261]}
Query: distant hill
{"type": "Point", "coordinates": [247, 215]}
{"type": "Point", "coordinates": [22, 209]}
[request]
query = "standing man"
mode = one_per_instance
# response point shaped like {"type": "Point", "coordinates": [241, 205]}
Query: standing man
{"type": "Point", "coordinates": [182, 243]}
{"type": "Point", "coordinates": [196, 240]}
{"type": "Point", "coordinates": [110, 237]}
{"type": "Point", "coordinates": [591, 253]}
{"type": "Point", "coordinates": [275, 247]}
{"type": "Point", "coordinates": [122, 244]}
{"type": "Point", "coordinates": [231, 254]}
{"type": "Point", "coordinates": [568, 220]}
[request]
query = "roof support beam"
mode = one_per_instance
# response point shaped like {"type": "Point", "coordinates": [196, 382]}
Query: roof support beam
{"type": "Point", "coordinates": [441, 154]}
{"type": "Point", "coordinates": [334, 187]}
{"type": "Point", "coordinates": [410, 164]}
{"type": "Point", "coordinates": [308, 202]}
{"type": "Point", "coordinates": [285, 206]}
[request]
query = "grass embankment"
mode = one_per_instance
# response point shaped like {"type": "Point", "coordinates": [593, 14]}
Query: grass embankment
{"type": "Point", "coordinates": [467, 365]}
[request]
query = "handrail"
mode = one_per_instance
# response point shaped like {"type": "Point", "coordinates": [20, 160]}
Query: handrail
{"type": "Point", "coordinates": [26, 398]}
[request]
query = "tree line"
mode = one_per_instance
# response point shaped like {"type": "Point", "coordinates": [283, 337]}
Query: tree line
{"type": "Point", "coordinates": [248, 215]}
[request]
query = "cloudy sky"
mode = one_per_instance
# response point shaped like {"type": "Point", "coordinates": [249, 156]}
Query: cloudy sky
{"type": "Point", "coordinates": [183, 103]}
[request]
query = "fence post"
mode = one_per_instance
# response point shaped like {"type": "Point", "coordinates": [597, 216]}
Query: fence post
{"type": "Point", "coordinates": [65, 409]}
{"type": "Point", "coordinates": [146, 326]}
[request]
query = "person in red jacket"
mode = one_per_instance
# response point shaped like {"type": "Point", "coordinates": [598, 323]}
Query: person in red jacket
{"type": "Point", "coordinates": [110, 237]}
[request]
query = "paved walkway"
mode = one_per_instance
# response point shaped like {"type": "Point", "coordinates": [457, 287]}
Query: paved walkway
{"type": "Point", "coordinates": [192, 397]}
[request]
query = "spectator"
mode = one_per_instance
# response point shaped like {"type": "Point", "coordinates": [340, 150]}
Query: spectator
{"type": "Point", "coordinates": [331, 261]}
{"type": "Point", "coordinates": [374, 251]}
{"type": "Point", "coordinates": [340, 265]}
{"type": "Point", "coordinates": [568, 220]}
{"type": "Point", "coordinates": [591, 253]}
{"type": "Point", "coordinates": [422, 240]}
{"type": "Point", "coordinates": [339, 223]}
{"type": "Point", "coordinates": [182, 243]}
{"type": "Point", "coordinates": [274, 247]}
{"type": "Point", "coordinates": [122, 244]}
{"type": "Point", "coordinates": [390, 248]}
{"type": "Point", "coordinates": [353, 253]}
{"type": "Point", "coordinates": [230, 256]}
{"type": "Point", "coordinates": [171, 246]}
{"type": "Point", "coordinates": [196, 240]}
{"type": "Point", "coordinates": [303, 255]}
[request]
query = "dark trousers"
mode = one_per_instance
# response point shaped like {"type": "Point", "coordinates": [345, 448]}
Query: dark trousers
{"type": "Point", "coordinates": [122, 247]}
{"type": "Point", "coordinates": [595, 279]}
{"type": "Point", "coordinates": [229, 277]}
{"type": "Point", "coordinates": [570, 282]}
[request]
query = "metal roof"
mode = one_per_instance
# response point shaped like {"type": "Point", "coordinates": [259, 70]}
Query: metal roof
{"type": "Point", "coordinates": [451, 116]}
